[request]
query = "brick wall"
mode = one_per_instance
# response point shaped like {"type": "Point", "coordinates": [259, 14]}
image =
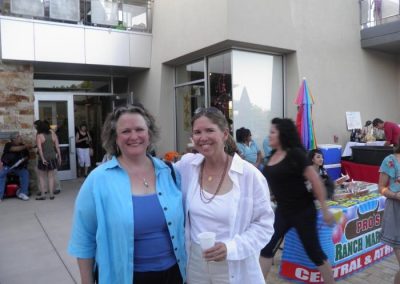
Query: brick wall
{"type": "Point", "coordinates": [16, 106]}
{"type": "Point", "coordinates": [16, 100]}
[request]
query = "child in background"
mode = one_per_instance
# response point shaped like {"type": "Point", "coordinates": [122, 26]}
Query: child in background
{"type": "Point", "coordinates": [317, 159]}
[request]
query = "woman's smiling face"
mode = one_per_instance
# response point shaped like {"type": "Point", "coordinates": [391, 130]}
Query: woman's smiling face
{"type": "Point", "coordinates": [132, 134]}
{"type": "Point", "coordinates": [208, 138]}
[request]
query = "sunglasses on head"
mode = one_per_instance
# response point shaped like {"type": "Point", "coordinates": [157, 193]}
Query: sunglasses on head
{"type": "Point", "coordinates": [203, 110]}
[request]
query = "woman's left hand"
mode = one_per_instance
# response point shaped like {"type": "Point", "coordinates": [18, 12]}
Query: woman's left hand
{"type": "Point", "coordinates": [216, 253]}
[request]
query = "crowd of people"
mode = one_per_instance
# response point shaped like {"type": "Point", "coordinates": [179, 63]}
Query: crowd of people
{"type": "Point", "coordinates": [377, 130]}
{"type": "Point", "coordinates": [140, 219]}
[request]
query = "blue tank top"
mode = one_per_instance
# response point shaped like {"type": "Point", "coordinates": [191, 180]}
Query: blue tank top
{"type": "Point", "coordinates": [153, 249]}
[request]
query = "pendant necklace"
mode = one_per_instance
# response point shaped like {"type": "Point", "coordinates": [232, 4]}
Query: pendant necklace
{"type": "Point", "coordinates": [145, 183]}
{"type": "Point", "coordinates": [144, 180]}
{"type": "Point", "coordinates": [203, 197]}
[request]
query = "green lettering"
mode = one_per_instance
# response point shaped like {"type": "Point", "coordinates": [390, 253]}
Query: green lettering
{"type": "Point", "coordinates": [360, 245]}
{"type": "Point", "coordinates": [368, 241]}
{"type": "Point", "coordinates": [372, 239]}
{"type": "Point", "coordinates": [339, 252]}
{"type": "Point", "coordinates": [345, 253]}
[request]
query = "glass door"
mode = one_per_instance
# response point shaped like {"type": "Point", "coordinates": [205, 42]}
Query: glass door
{"type": "Point", "coordinates": [58, 110]}
{"type": "Point", "coordinates": [188, 99]}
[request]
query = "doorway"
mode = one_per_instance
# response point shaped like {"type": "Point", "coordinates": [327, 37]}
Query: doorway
{"type": "Point", "coordinates": [65, 112]}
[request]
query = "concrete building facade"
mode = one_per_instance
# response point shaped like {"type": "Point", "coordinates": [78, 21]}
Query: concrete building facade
{"type": "Point", "coordinates": [318, 40]}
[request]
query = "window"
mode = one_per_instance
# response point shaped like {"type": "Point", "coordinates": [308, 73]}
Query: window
{"type": "Point", "coordinates": [246, 86]}
{"type": "Point", "coordinates": [220, 84]}
{"type": "Point", "coordinates": [258, 91]}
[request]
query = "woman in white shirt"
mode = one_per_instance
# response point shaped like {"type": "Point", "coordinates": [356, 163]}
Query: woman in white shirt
{"type": "Point", "coordinates": [225, 195]}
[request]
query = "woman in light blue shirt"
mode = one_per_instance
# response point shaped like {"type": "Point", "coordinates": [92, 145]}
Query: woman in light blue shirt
{"type": "Point", "coordinates": [389, 186]}
{"type": "Point", "coordinates": [129, 218]}
{"type": "Point", "coordinates": [248, 148]}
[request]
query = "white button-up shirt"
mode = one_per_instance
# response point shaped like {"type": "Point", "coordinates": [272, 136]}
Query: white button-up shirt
{"type": "Point", "coordinates": [251, 222]}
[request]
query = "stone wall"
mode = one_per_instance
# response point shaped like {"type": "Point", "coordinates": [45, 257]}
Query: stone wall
{"type": "Point", "coordinates": [16, 107]}
{"type": "Point", "coordinates": [16, 99]}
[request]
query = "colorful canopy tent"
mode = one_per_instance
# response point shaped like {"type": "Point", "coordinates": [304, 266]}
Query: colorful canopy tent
{"type": "Point", "coordinates": [304, 121]}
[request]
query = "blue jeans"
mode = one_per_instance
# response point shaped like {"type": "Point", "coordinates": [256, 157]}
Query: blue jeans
{"type": "Point", "coordinates": [23, 179]}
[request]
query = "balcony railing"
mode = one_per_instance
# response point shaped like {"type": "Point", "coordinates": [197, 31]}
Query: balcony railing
{"type": "Point", "coordinates": [133, 15]}
{"type": "Point", "coordinates": [377, 12]}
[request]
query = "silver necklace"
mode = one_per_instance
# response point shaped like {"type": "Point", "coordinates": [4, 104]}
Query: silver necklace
{"type": "Point", "coordinates": [145, 183]}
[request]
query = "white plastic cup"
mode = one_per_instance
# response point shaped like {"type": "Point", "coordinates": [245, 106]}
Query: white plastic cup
{"type": "Point", "coordinates": [207, 240]}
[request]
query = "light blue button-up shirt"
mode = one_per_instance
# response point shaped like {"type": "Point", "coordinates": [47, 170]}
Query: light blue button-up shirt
{"type": "Point", "coordinates": [250, 152]}
{"type": "Point", "coordinates": [103, 223]}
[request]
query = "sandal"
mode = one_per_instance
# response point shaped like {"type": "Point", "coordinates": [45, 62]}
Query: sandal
{"type": "Point", "coordinates": [52, 197]}
{"type": "Point", "coordinates": [41, 198]}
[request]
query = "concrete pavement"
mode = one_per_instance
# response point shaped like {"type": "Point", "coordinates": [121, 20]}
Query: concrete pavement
{"type": "Point", "coordinates": [34, 237]}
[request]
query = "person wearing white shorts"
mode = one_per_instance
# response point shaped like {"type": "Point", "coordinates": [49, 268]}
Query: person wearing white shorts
{"type": "Point", "coordinates": [83, 158]}
{"type": "Point", "coordinates": [83, 140]}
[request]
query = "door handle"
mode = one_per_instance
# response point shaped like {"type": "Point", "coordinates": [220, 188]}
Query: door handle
{"type": "Point", "coordinates": [71, 140]}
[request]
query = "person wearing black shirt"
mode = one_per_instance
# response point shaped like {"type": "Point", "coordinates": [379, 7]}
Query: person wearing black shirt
{"type": "Point", "coordinates": [287, 171]}
{"type": "Point", "coordinates": [83, 142]}
{"type": "Point", "coordinates": [15, 160]}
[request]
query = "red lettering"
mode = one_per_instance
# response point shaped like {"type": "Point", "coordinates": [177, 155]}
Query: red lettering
{"type": "Point", "coordinates": [369, 223]}
{"type": "Point", "coordinates": [364, 226]}
{"type": "Point", "coordinates": [358, 226]}
{"type": "Point", "coordinates": [377, 220]}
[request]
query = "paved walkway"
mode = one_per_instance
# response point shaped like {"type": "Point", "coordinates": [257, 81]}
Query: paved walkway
{"type": "Point", "coordinates": [34, 236]}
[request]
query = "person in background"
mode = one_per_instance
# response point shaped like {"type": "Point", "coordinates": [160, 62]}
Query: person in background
{"type": "Point", "coordinates": [49, 159]}
{"type": "Point", "coordinates": [377, 10]}
{"type": "Point", "coordinates": [391, 129]}
{"type": "Point", "coordinates": [287, 171]}
{"type": "Point", "coordinates": [226, 195]}
{"type": "Point", "coordinates": [379, 134]}
{"type": "Point", "coordinates": [367, 132]}
{"type": "Point", "coordinates": [316, 158]}
{"type": "Point", "coordinates": [15, 152]}
{"type": "Point", "coordinates": [389, 186]}
{"type": "Point", "coordinates": [267, 149]}
{"type": "Point", "coordinates": [57, 182]}
{"type": "Point", "coordinates": [248, 149]}
{"type": "Point", "coordinates": [128, 217]}
{"type": "Point", "coordinates": [83, 142]}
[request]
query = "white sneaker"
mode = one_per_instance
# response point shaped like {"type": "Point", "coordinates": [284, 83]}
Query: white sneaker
{"type": "Point", "coordinates": [23, 196]}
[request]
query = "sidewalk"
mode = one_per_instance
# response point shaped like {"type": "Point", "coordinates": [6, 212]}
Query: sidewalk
{"type": "Point", "coordinates": [34, 237]}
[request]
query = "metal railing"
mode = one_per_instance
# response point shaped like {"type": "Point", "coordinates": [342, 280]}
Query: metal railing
{"type": "Point", "coordinates": [376, 12]}
{"type": "Point", "coordinates": [133, 15]}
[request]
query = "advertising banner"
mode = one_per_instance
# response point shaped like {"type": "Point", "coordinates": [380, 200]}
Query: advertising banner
{"type": "Point", "coordinates": [350, 245]}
